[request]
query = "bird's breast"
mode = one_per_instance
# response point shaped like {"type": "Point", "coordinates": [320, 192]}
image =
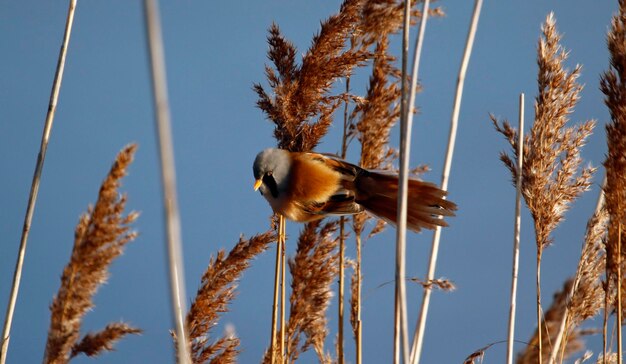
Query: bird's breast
{"type": "Point", "coordinates": [312, 180]}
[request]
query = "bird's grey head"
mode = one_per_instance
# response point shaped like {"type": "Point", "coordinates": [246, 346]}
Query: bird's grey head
{"type": "Point", "coordinates": [271, 166]}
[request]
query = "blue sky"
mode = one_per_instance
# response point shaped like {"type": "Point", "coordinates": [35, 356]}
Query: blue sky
{"type": "Point", "coordinates": [215, 51]}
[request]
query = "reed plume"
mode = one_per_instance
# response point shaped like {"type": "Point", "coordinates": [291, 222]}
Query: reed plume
{"type": "Point", "coordinates": [217, 290]}
{"type": "Point", "coordinates": [552, 177]}
{"type": "Point", "coordinates": [384, 17]}
{"type": "Point", "coordinates": [586, 297]}
{"type": "Point", "coordinates": [550, 327]}
{"type": "Point", "coordinates": [94, 344]}
{"type": "Point", "coordinates": [313, 270]}
{"type": "Point", "coordinates": [100, 237]}
{"type": "Point", "coordinates": [301, 92]}
{"type": "Point", "coordinates": [613, 86]}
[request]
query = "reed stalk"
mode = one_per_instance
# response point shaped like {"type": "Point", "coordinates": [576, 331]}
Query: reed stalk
{"type": "Point", "coordinates": [421, 323]}
{"type": "Point", "coordinates": [34, 187]}
{"type": "Point", "coordinates": [359, 331]}
{"type": "Point", "coordinates": [516, 233]}
{"type": "Point", "coordinates": [278, 274]}
{"type": "Point", "coordinates": [168, 177]}
{"type": "Point", "coordinates": [282, 236]}
{"type": "Point", "coordinates": [401, 331]}
{"type": "Point", "coordinates": [342, 243]}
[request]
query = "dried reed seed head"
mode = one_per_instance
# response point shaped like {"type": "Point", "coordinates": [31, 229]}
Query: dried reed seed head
{"type": "Point", "coordinates": [550, 328]}
{"type": "Point", "coordinates": [313, 270]}
{"type": "Point", "coordinates": [552, 174]}
{"type": "Point", "coordinates": [99, 238]}
{"type": "Point", "coordinates": [614, 87]}
{"type": "Point", "coordinates": [384, 17]}
{"type": "Point", "coordinates": [611, 358]}
{"type": "Point", "coordinates": [588, 291]}
{"type": "Point", "coordinates": [301, 92]}
{"type": "Point", "coordinates": [217, 290]}
{"type": "Point", "coordinates": [95, 344]}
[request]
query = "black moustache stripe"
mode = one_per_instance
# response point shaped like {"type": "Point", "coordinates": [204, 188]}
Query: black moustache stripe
{"type": "Point", "coordinates": [270, 182]}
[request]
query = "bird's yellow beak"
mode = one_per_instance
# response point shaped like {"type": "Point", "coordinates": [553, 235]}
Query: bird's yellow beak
{"type": "Point", "coordinates": [258, 184]}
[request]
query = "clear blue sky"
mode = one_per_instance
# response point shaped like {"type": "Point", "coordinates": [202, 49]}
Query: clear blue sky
{"type": "Point", "coordinates": [215, 51]}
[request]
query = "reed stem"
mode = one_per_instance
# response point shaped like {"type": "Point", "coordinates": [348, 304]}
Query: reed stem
{"type": "Point", "coordinates": [401, 332]}
{"type": "Point", "coordinates": [277, 278]}
{"type": "Point", "coordinates": [283, 261]}
{"type": "Point", "coordinates": [34, 187]}
{"type": "Point", "coordinates": [421, 323]}
{"type": "Point", "coordinates": [168, 177]}
{"type": "Point", "coordinates": [516, 231]}
{"type": "Point", "coordinates": [359, 333]}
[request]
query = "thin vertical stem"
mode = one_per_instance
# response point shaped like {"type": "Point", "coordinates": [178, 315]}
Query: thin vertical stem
{"type": "Point", "coordinates": [619, 293]}
{"type": "Point", "coordinates": [34, 187]}
{"type": "Point", "coordinates": [340, 313]}
{"type": "Point", "coordinates": [539, 320]}
{"type": "Point", "coordinates": [283, 263]}
{"type": "Point", "coordinates": [516, 231]}
{"type": "Point", "coordinates": [342, 244]}
{"type": "Point", "coordinates": [277, 275]}
{"type": "Point", "coordinates": [359, 331]}
{"type": "Point", "coordinates": [421, 324]}
{"type": "Point", "coordinates": [605, 322]}
{"type": "Point", "coordinates": [168, 176]}
{"type": "Point", "coordinates": [401, 331]}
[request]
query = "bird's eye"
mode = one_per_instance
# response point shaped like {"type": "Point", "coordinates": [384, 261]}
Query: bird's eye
{"type": "Point", "coordinates": [269, 174]}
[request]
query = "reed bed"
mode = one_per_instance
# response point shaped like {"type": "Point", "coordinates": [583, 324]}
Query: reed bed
{"type": "Point", "coordinates": [301, 98]}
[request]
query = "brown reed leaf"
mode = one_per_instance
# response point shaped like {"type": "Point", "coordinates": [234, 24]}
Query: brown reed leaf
{"type": "Point", "coordinates": [550, 327]}
{"type": "Point", "coordinates": [613, 85]}
{"type": "Point", "coordinates": [100, 237]}
{"type": "Point", "coordinates": [217, 290]}
{"type": "Point", "coordinates": [313, 270]}
{"type": "Point", "coordinates": [552, 175]}
{"type": "Point", "coordinates": [94, 344]}
{"type": "Point", "coordinates": [301, 93]}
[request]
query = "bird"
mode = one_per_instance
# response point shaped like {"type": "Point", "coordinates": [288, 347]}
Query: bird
{"type": "Point", "coordinates": [308, 186]}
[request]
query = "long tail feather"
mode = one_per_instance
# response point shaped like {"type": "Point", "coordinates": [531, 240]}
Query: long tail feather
{"type": "Point", "coordinates": [426, 202]}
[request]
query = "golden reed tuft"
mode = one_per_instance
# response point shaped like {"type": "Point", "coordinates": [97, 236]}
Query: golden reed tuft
{"type": "Point", "coordinates": [100, 237]}
{"type": "Point", "coordinates": [216, 291]}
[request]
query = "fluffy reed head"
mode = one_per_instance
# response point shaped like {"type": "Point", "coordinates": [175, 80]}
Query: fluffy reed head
{"type": "Point", "coordinates": [313, 269]}
{"type": "Point", "coordinates": [100, 237]}
{"type": "Point", "coordinates": [552, 177]}
{"type": "Point", "coordinates": [301, 93]}
{"type": "Point", "coordinates": [550, 327]}
{"type": "Point", "coordinates": [613, 85]}
{"type": "Point", "coordinates": [216, 291]}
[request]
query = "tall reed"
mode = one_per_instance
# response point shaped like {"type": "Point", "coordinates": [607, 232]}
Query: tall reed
{"type": "Point", "coordinates": [34, 188]}
{"type": "Point", "coordinates": [171, 216]}
{"type": "Point", "coordinates": [552, 177]}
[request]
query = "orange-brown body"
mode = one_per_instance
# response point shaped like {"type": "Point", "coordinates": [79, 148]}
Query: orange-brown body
{"type": "Point", "coordinates": [309, 186]}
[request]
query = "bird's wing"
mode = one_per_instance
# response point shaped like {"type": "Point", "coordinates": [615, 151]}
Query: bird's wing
{"type": "Point", "coordinates": [347, 170]}
{"type": "Point", "coordinates": [338, 204]}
